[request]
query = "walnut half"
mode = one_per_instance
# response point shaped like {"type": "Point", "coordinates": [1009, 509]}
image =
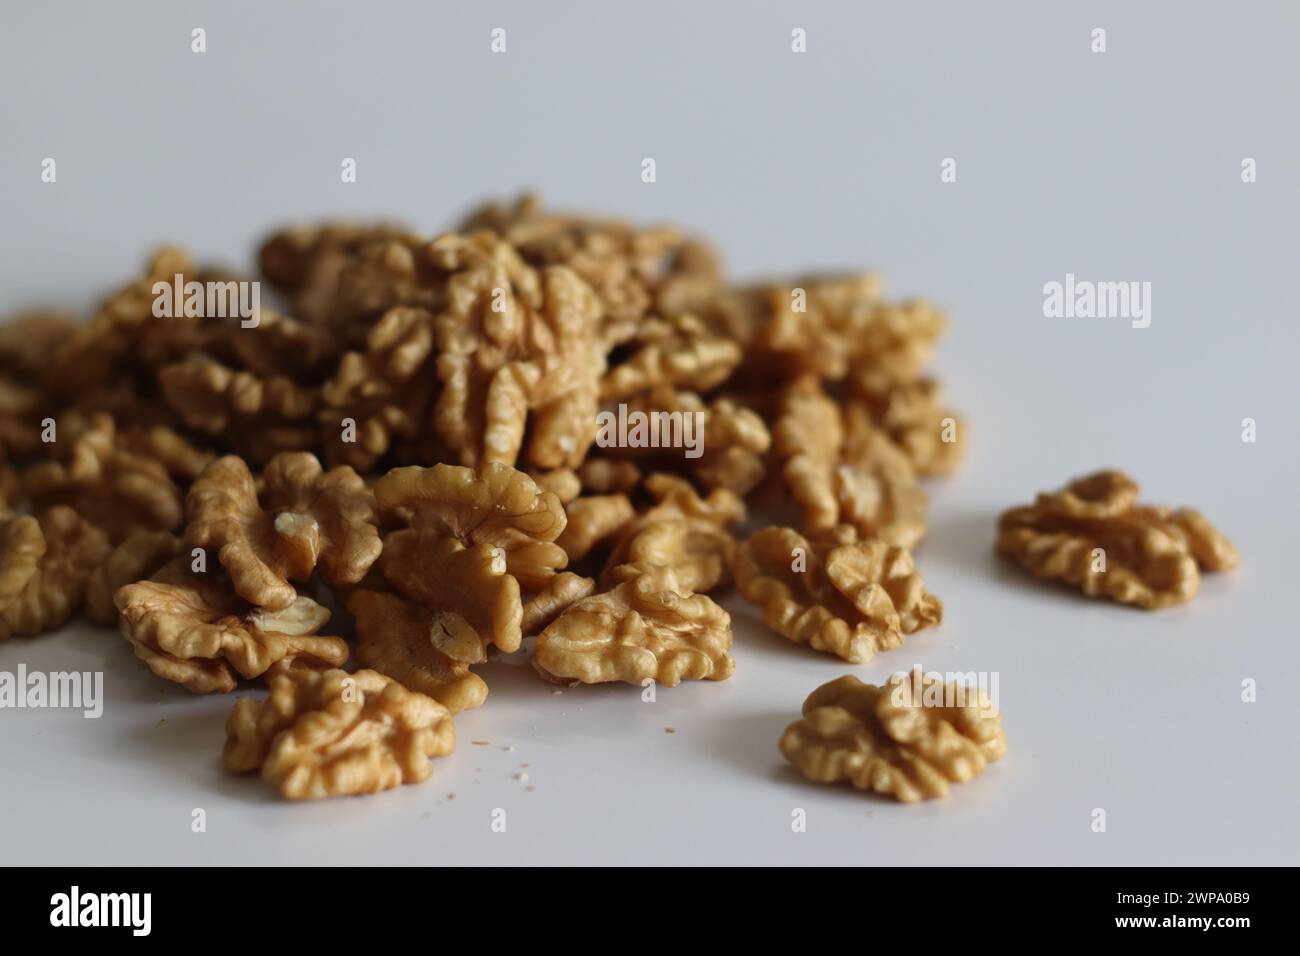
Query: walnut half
{"type": "Point", "coordinates": [1093, 535]}
{"type": "Point", "coordinates": [329, 733]}
{"type": "Point", "coordinates": [887, 740]}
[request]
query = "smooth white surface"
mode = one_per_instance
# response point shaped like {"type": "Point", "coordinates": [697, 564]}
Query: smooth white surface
{"type": "Point", "coordinates": [1116, 166]}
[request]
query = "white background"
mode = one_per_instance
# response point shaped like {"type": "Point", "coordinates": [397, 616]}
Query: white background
{"type": "Point", "coordinates": [1119, 166]}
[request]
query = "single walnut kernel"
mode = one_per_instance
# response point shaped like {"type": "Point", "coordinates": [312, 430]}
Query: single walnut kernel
{"type": "Point", "coordinates": [834, 592]}
{"type": "Point", "coordinates": [330, 734]}
{"type": "Point", "coordinates": [647, 628]}
{"type": "Point", "coordinates": [307, 518]}
{"type": "Point", "coordinates": [194, 629]}
{"type": "Point", "coordinates": [45, 563]}
{"type": "Point", "coordinates": [885, 740]}
{"type": "Point", "coordinates": [684, 532]}
{"type": "Point", "coordinates": [394, 636]}
{"type": "Point", "coordinates": [1093, 535]}
{"type": "Point", "coordinates": [593, 520]}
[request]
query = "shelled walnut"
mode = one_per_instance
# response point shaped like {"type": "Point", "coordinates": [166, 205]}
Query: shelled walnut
{"type": "Point", "coordinates": [886, 740]}
{"type": "Point", "coordinates": [649, 627]}
{"type": "Point", "coordinates": [1093, 535]}
{"type": "Point", "coordinates": [330, 734]}
{"type": "Point", "coordinates": [193, 629]}
{"type": "Point", "coordinates": [834, 592]}
{"type": "Point", "coordinates": [45, 562]}
{"type": "Point", "coordinates": [304, 518]}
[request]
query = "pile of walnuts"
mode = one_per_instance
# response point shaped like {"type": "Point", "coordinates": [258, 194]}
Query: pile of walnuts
{"type": "Point", "coordinates": [401, 469]}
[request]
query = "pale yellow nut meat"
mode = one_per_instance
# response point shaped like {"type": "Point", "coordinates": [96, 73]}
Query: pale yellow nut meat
{"type": "Point", "coordinates": [43, 583]}
{"type": "Point", "coordinates": [329, 734]}
{"type": "Point", "coordinates": [306, 518]}
{"type": "Point", "coordinates": [891, 741]}
{"type": "Point", "coordinates": [648, 628]}
{"type": "Point", "coordinates": [394, 638]}
{"type": "Point", "coordinates": [193, 629]}
{"type": "Point", "coordinates": [1093, 535]}
{"type": "Point", "coordinates": [833, 592]}
{"type": "Point", "coordinates": [137, 558]}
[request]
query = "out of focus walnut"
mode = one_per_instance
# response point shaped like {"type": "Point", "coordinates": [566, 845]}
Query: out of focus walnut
{"type": "Point", "coordinates": [1093, 535]}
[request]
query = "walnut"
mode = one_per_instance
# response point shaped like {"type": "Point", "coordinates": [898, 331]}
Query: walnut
{"type": "Point", "coordinates": [259, 417]}
{"type": "Point", "coordinates": [385, 391]}
{"type": "Point", "coordinates": [736, 441]}
{"type": "Point", "coordinates": [20, 415]}
{"type": "Point", "coordinates": [491, 534]}
{"type": "Point", "coordinates": [28, 339]}
{"type": "Point", "coordinates": [140, 555]}
{"type": "Point", "coordinates": [836, 593]}
{"type": "Point", "coordinates": [684, 532]}
{"type": "Point", "coordinates": [330, 734]}
{"type": "Point", "coordinates": [634, 272]}
{"type": "Point", "coordinates": [307, 518]}
{"type": "Point", "coordinates": [517, 349]}
{"type": "Point", "coordinates": [181, 458]}
{"type": "Point", "coordinates": [894, 345]}
{"type": "Point", "coordinates": [564, 483]}
{"type": "Point", "coordinates": [913, 416]}
{"type": "Point", "coordinates": [884, 739]}
{"type": "Point", "coordinates": [193, 629]}
{"type": "Point", "coordinates": [1094, 535]}
{"type": "Point", "coordinates": [843, 470]}
{"type": "Point", "coordinates": [592, 520]}
{"type": "Point", "coordinates": [116, 489]}
{"type": "Point", "coordinates": [604, 476]}
{"type": "Point", "coordinates": [672, 352]}
{"type": "Point", "coordinates": [45, 563]}
{"type": "Point", "coordinates": [649, 627]}
{"type": "Point", "coordinates": [394, 637]}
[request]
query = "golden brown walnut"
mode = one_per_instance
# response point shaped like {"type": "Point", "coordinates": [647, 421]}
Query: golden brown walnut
{"type": "Point", "coordinates": [29, 338]}
{"type": "Point", "coordinates": [307, 518]}
{"type": "Point", "coordinates": [113, 488]}
{"type": "Point", "coordinates": [593, 520]}
{"type": "Point", "coordinates": [517, 349]}
{"type": "Point", "coordinates": [383, 393]}
{"type": "Point", "coordinates": [884, 739]}
{"type": "Point", "coordinates": [682, 531]}
{"type": "Point", "coordinates": [564, 483]}
{"type": "Point", "coordinates": [914, 418]}
{"type": "Point", "coordinates": [634, 271]}
{"type": "Point", "coordinates": [332, 734]}
{"type": "Point", "coordinates": [894, 345]}
{"type": "Point", "coordinates": [490, 533]}
{"type": "Point", "coordinates": [838, 594]}
{"type": "Point", "coordinates": [843, 470]}
{"type": "Point", "coordinates": [20, 417]}
{"type": "Point", "coordinates": [648, 628]}
{"type": "Point", "coordinates": [674, 352]}
{"type": "Point", "coordinates": [736, 442]}
{"type": "Point", "coordinates": [257, 416]}
{"type": "Point", "coordinates": [45, 563]}
{"type": "Point", "coordinates": [193, 629]}
{"type": "Point", "coordinates": [179, 456]}
{"type": "Point", "coordinates": [605, 476]}
{"type": "Point", "coordinates": [140, 555]}
{"type": "Point", "coordinates": [1093, 535]}
{"type": "Point", "coordinates": [394, 638]}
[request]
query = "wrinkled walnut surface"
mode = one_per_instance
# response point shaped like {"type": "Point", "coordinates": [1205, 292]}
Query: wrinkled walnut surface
{"type": "Point", "coordinates": [833, 592]}
{"type": "Point", "coordinates": [330, 733]}
{"type": "Point", "coordinates": [45, 564]}
{"type": "Point", "coordinates": [1093, 535]}
{"type": "Point", "coordinates": [885, 740]}
{"type": "Point", "coordinates": [647, 628]}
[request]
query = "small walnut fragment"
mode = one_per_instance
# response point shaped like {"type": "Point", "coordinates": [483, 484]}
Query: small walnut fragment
{"type": "Point", "coordinates": [306, 518]}
{"type": "Point", "coordinates": [648, 628]}
{"type": "Point", "coordinates": [116, 489]}
{"type": "Point", "coordinates": [674, 352]}
{"type": "Point", "coordinates": [888, 740]}
{"type": "Point", "coordinates": [193, 629]}
{"type": "Point", "coordinates": [592, 520]}
{"type": "Point", "coordinates": [1093, 535]}
{"type": "Point", "coordinates": [684, 532]}
{"type": "Point", "coordinates": [45, 563]}
{"type": "Point", "coordinates": [834, 592]}
{"type": "Point", "coordinates": [329, 734]}
{"type": "Point", "coordinates": [915, 419]}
